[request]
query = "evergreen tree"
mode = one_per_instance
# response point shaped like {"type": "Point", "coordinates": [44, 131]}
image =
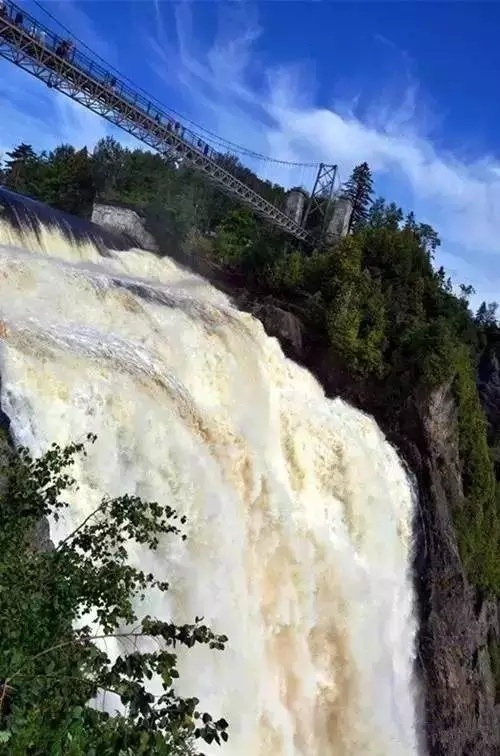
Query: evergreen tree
{"type": "Point", "coordinates": [486, 315]}
{"type": "Point", "coordinates": [410, 222]}
{"type": "Point", "coordinates": [466, 292]}
{"type": "Point", "coordinates": [428, 237]}
{"type": "Point", "coordinates": [376, 213]}
{"type": "Point", "coordinates": [68, 183]}
{"type": "Point", "coordinates": [359, 190]}
{"type": "Point", "coordinates": [381, 215]}
{"type": "Point", "coordinates": [393, 216]}
{"type": "Point", "coordinates": [21, 171]}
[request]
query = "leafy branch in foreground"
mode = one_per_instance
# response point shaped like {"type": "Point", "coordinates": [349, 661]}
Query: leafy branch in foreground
{"type": "Point", "coordinates": [51, 666]}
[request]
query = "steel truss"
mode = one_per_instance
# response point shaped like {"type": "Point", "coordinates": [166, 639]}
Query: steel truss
{"type": "Point", "coordinates": [37, 50]}
{"type": "Point", "coordinates": [319, 209]}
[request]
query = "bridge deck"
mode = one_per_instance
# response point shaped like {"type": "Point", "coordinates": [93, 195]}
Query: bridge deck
{"type": "Point", "coordinates": [37, 50]}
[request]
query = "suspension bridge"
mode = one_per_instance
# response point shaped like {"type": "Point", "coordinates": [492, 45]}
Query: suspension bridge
{"type": "Point", "coordinates": [61, 64]}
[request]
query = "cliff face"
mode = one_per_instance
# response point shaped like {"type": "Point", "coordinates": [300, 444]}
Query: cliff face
{"type": "Point", "coordinates": [40, 537]}
{"type": "Point", "coordinates": [489, 391]}
{"type": "Point", "coordinates": [456, 622]}
{"type": "Point", "coordinates": [459, 715]}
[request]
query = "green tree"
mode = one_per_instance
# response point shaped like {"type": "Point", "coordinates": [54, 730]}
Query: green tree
{"type": "Point", "coordinates": [22, 170]}
{"type": "Point", "coordinates": [108, 162]}
{"type": "Point", "coordinates": [359, 190]}
{"type": "Point", "coordinates": [286, 273]}
{"type": "Point", "coordinates": [354, 308]}
{"type": "Point", "coordinates": [376, 214]}
{"type": "Point", "coordinates": [466, 292]}
{"type": "Point", "coordinates": [486, 315]}
{"type": "Point", "coordinates": [50, 664]}
{"type": "Point", "coordinates": [235, 236]}
{"type": "Point", "coordinates": [68, 181]}
{"type": "Point", "coordinates": [428, 237]}
{"type": "Point", "coordinates": [381, 215]}
{"type": "Point", "coordinates": [410, 222]}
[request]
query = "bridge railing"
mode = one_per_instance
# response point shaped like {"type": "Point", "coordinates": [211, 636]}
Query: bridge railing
{"type": "Point", "coordinates": [59, 63]}
{"type": "Point", "coordinates": [51, 41]}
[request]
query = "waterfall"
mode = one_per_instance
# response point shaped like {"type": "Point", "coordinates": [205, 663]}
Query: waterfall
{"type": "Point", "coordinates": [299, 511]}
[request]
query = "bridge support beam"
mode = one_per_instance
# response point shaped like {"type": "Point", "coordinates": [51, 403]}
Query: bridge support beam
{"type": "Point", "coordinates": [39, 51]}
{"type": "Point", "coordinates": [320, 207]}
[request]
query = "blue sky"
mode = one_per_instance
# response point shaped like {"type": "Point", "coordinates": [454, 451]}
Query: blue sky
{"type": "Point", "coordinates": [412, 88]}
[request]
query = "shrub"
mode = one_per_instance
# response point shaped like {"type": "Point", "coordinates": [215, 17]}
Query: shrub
{"type": "Point", "coordinates": [50, 665]}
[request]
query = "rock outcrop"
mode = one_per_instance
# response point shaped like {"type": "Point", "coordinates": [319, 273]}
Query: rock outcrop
{"type": "Point", "coordinates": [282, 324]}
{"type": "Point", "coordinates": [127, 220]}
{"type": "Point", "coordinates": [459, 715]}
{"type": "Point", "coordinates": [456, 622]}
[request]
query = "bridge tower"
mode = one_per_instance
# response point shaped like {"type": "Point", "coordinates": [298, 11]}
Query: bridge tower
{"type": "Point", "coordinates": [320, 207]}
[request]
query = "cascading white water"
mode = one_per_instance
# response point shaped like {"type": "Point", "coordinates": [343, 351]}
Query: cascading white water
{"type": "Point", "coordinates": [299, 511]}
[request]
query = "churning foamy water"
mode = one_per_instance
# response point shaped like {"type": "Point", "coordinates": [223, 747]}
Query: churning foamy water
{"type": "Point", "coordinates": [299, 511]}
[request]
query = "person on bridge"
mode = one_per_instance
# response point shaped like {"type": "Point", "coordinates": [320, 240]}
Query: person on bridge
{"type": "Point", "coordinates": [34, 32]}
{"type": "Point", "coordinates": [65, 48]}
{"type": "Point", "coordinates": [110, 81]}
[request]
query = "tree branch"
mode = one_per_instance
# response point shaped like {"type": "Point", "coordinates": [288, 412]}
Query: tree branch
{"type": "Point", "coordinates": [81, 525]}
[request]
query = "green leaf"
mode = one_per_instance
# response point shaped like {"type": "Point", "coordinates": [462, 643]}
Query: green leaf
{"type": "Point", "coordinates": [53, 669]}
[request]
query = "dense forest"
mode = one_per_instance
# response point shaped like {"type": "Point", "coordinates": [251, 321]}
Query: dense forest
{"type": "Point", "coordinates": [374, 298]}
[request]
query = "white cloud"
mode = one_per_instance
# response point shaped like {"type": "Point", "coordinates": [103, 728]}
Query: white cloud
{"type": "Point", "coordinates": [272, 109]}
{"type": "Point", "coordinates": [31, 113]}
{"type": "Point", "coordinates": [45, 118]}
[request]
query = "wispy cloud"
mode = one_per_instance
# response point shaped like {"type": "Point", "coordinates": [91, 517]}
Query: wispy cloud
{"type": "Point", "coordinates": [31, 113]}
{"type": "Point", "coordinates": [272, 108]}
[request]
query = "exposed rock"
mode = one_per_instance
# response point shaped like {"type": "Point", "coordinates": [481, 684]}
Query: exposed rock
{"type": "Point", "coordinates": [27, 213]}
{"type": "Point", "coordinates": [127, 220]}
{"type": "Point", "coordinates": [282, 324]}
{"type": "Point", "coordinates": [5, 447]}
{"type": "Point", "coordinates": [455, 622]}
{"type": "Point", "coordinates": [459, 716]}
{"type": "Point", "coordinates": [4, 423]}
{"type": "Point", "coordinates": [489, 386]}
{"type": "Point", "coordinates": [40, 539]}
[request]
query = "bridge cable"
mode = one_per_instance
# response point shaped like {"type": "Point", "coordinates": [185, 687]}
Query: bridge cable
{"type": "Point", "coordinates": [221, 141]}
